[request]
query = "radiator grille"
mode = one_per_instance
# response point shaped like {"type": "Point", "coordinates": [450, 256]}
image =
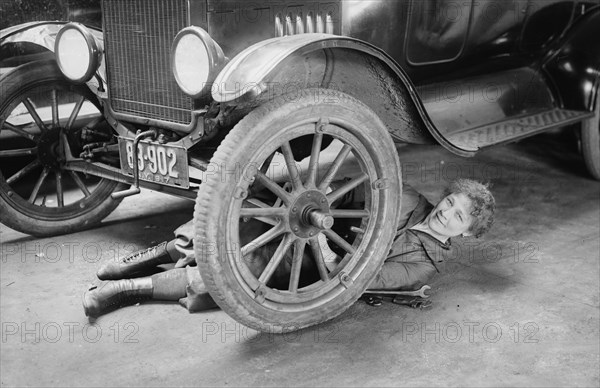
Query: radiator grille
{"type": "Point", "coordinates": [137, 38]}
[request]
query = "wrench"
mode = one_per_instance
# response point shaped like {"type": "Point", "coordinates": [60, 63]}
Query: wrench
{"type": "Point", "coordinates": [420, 292]}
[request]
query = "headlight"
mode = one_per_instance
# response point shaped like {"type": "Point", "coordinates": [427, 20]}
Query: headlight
{"type": "Point", "coordinates": [196, 59]}
{"type": "Point", "coordinates": [77, 52]}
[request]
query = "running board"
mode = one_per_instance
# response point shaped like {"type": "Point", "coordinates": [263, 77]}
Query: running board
{"type": "Point", "coordinates": [515, 129]}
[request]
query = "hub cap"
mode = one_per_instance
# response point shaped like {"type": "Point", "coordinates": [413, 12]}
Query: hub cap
{"type": "Point", "coordinates": [309, 214]}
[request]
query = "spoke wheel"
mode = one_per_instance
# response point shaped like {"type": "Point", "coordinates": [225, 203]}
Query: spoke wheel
{"type": "Point", "coordinates": [41, 117]}
{"type": "Point", "coordinates": [590, 141]}
{"type": "Point", "coordinates": [285, 241]}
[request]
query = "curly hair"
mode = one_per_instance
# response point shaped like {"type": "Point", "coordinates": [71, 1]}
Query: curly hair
{"type": "Point", "coordinates": [483, 204]}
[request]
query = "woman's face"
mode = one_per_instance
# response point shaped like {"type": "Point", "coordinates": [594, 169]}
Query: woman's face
{"type": "Point", "coordinates": [451, 216]}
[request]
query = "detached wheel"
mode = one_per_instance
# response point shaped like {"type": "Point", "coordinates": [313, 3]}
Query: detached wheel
{"type": "Point", "coordinates": [267, 228]}
{"type": "Point", "coordinates": [590, 141]}
{"type": "Point", "coordinates": [39, 112]}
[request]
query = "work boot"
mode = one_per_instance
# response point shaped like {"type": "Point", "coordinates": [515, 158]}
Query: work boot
{"type": "Point", "coordinates": [107, 296]}
{"type": "Point", "coordinates": [135, 264]}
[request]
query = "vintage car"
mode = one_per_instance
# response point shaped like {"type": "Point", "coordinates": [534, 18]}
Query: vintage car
{"type": "Point", "coordinates": [254, 109]}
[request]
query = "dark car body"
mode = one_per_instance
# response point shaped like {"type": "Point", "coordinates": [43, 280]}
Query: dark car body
{"type": "Point", "coordinates": [464, 64]}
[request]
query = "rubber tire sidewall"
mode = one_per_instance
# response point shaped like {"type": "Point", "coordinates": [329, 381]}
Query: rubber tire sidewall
{"type": "Point", "coordinates": [27, 76]}
{"type": "Point", "coordinates": [590, 141]}
{"type": "Point", "coordinates": [210, 219]}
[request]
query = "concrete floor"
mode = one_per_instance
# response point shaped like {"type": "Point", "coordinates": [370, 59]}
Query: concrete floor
{"type": "Point", "coordinates": [519, 307]}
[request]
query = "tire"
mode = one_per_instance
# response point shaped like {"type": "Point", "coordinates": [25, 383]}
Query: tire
{"type": "Point", "coordinates": [59, 201]}
{"type": "Point", "coordinates": [296, 289]}
{"type": "Point", "coordinates": [590, 141]}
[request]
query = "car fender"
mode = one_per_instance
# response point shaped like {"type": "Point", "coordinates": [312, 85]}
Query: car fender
{"type": "Point", "coordinates": [43, 34]}
{"type": "Point", "coordinates": [40, 33]}
{"type": "Point", "coordinates": [574, 67]}
{"type": "Point", "coordinates": [281, 65]}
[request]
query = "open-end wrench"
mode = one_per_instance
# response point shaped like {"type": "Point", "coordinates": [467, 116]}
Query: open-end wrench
{"type": "Point", "coordinates": [420, 292]}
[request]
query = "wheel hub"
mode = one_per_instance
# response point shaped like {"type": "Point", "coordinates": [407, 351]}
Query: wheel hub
{"type": "Point", "coordinates": [309, 214]}
{"type": "Point", "coordinates": [49, 152]}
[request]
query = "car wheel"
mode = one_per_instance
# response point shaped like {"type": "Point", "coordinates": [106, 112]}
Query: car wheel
{"type": "Point", "coordinates": [280, 247]}
{"type": "Point", "coordinates": [38, 195]}
{"type": "Point", "coordinates": [590, 141]}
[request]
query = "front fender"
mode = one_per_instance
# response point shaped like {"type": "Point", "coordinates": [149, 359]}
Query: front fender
{"type": "Point", "coordinates": [244, 73]}
{"type": "Point", "coordinates": [352, 66]}
{"type": "Point", "coordinates": [39, 33]}
{"type": "Point", "coordinates": [43, 34]}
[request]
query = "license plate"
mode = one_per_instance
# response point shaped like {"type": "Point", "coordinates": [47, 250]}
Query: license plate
{"type": "Point", "coordinates": [159, 163]}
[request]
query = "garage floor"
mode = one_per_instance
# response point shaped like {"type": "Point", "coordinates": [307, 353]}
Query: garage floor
{"type": "Point", "coordinates": [519, 307]}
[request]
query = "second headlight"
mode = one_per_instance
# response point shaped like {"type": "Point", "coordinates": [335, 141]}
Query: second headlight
{"type": "Point", "coordinates": [196, 59]}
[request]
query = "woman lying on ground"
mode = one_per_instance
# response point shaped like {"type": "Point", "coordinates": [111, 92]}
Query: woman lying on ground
{"type": "Point", "coordinates": [418, 250]}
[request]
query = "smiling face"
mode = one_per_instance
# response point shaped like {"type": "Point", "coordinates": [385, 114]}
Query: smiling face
{"type": "Point", "coordinates": [451, 217]}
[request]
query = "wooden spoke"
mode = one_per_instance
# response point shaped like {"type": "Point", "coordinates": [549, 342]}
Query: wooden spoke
{"type": "Point", "coordinates": [54, 101]}
{"type": "Point", "coordinates": [349, 213]}
{"type": "Point", "coordinates": [291, 166]}
{"type": "Point", "coordinates": [273, 187]}
{"type": "Point", "coordinates": [318, 256]}
{"type": "Point", "coordinates": [299, 247]}
{"type": "Point", "coordinates": [75, 112]}
{"type": "Point", "coordinates": [19, 131]}
{"type": "Point", "coordinates": [20, 174]}
{"type": "Point", "coordinates": [33, 113]}
{"type": "Point", "coordinates": [263, 239]}
{"type": "Point", "coordinates": [313, 164]}
{"type": "Point", "coordinates": [350, 185]}
{"type": "Point", "coordinates": [266, 220]}
{"type": "Point", "coordinates": [337, 239]}
{"type": "Point", "coordinates": [278, 202]}
{"type": "Point", "coordinates": [80, 183]}
{"type": "Point", "coordinates": [337, 163]}
{"type": "Point", "coordinates": [256, 203]}
{"type": "Point", "coordinates": [60, 198]}
{"type": "Point", "coordinates": [255, 212]}
{"type": "Point", "coordinates": [265, 167]}
{"type": "Point", "coordinates": [283, 247]}
{"type": "Point", "coordinates": [19, 152]}
{"type": "Point", "coordinates": [38, 185]}
{"type": "Point", "coordinates": [257, 186]}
